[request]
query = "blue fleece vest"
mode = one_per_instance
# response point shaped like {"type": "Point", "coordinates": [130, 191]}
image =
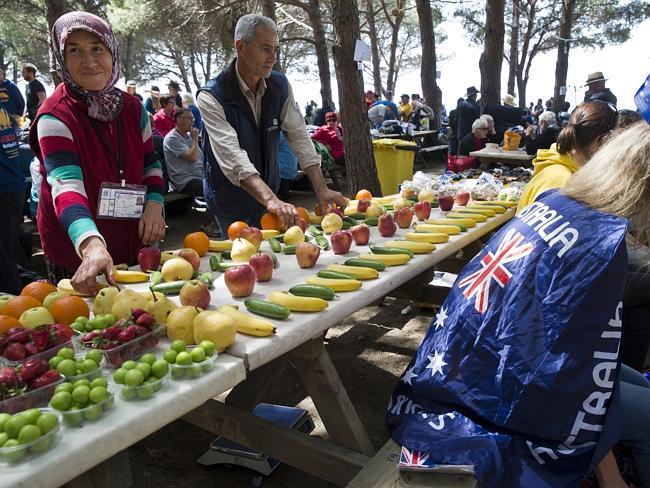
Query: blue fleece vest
{"type": "Point", "coordinates": [261, 143]}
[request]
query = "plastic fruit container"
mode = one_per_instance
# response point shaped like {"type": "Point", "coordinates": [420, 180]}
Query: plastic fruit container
{"type": "Point", "coordinates": [144, 391]}
{"type": "Point", "coordinates": [45, 355]}
{"type": "Point", "coordinates": [194, 370]}
{"type": "Point", "coordinates": [24, 452]}
{"type": "Point", "coordinates": [31, 399]}
{"type": "Point", "coordinates": [86, 376]}
{"type": "Point", "coordinates": [133, 349]}
{"type": "Point", "coordinates": [95, 411]}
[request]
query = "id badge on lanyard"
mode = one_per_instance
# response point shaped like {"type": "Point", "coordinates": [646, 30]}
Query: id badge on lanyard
{"type": "Point", "coordinates": [119, 201]}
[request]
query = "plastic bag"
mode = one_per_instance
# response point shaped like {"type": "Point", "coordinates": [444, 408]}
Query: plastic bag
{"type": "Point", "coordinates": [511, 140]}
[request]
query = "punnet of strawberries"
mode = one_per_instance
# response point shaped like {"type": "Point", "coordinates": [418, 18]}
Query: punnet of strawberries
{"type": "Point", "coordinates": [18, 343]}
{"type": "Point", "coordinates": [17, 383]}
{"type": "Point", "coordinates": [126, 339]}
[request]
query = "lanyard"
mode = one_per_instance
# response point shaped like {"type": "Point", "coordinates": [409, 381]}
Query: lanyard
{"type": "Point", "coordinates": [119, 158]}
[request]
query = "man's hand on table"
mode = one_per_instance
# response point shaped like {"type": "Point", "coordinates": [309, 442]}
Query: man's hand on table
{"type": "Point", "coordinates": [327, 196]}
{"type": "Point", "coordinates": [285, 211]}
{"type": "Point", "coordinates": [95, 260]}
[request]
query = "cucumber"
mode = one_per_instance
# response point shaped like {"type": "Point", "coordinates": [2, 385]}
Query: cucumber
{"type": "Point", "coordinates": [274, 258]}
{"type": "Point", "coordinates": [169, 288]}
{"type": "Point", "coordinates": [279, 238]}
{"type": "Point", "coordinates": [412, 199]}
{"type": "Point", "coordinates": [390, 250]}
{"type": "Point", "coordinates": [347, 225]}
{"type": "Point", "coordinates": [322, 242]}
{"type": "Point", "coordinates": [372, 221]}
{"type": "Point", "coordinates": [349, 220]}
{"type": "Point", "coordinates": [195, 274]}
{"type": "Point", "coordinates": [156, 277]}
{"type": "Point", "coordinates": [365, 263]}
{"type": "Point", "coordinates": [312, 291]}
{"type": "Point", "coordinates": [289, 249]}
{"type": "Point", "coordinates": [266, 309]}
{"type": "Point", "coordinates": [357, 216]}
{"type": "Point", "coordinates": [274, 244]}
{"type": "Point", "coordinates": [206, 278]}
{"type": "Point", "coordinates": [314, 231]}
{"type": "Point", "coordinates": [226, 255]}
{"type": "Point", "coordinates": [215, 261]}
{"type": "Point", "coordinates": [335, 275]}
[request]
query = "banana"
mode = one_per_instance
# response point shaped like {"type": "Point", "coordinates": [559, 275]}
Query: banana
{"type": "Point", "coordinates": [432, 237]}
{"type": "Point", "coordinates": [384, 200]}
{"type": "Point", "coordinates": [488, 212]}
{"type": "Point", "coordinates": [334, 284]}
{"type": "Point", "coordinates": [315, 219]}
{"type": "Point", "coordinates": [350, 209]}
{"type": "Point", "coordinates": [220, 246]}
{"type": "Point", "coordinates": [358, 272]}
{"type": "Point", "coordinates": [496, 209]}
{"type": "Point", "coordinates": [503, 203]}
{"type": "Point", "coordinates": [459, 212]}
{"type": "Point", "coordinates": [128, 276]}
{"type": "Point", "coordinates": [297, 303]}
{"type": "Point", "coordinates": [416, 247]}
{"type": "Point", "coordinates": [451, 230]}
{"type": "Point", "coordinates": [462, 219]}
{"type": "Point", "coordinates": [247, 324]}
{"type": "Point", "coordinates": [388, 259]}
{"type": "Point", "coordinates": [462, 223]}
{"type": "Point", "coordinates": [268, 233]}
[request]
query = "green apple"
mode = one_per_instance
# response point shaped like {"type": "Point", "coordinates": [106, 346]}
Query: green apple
{"type": "Point", "coordinates": [3, 298]}
{"type": "Point", "coordinates": [53, 297]}
{"type": "Point", "coordinates": [33, 317]}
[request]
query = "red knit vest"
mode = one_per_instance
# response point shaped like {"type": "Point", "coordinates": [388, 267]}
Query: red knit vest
{"type": "Point", "coordinates": [97, 166]}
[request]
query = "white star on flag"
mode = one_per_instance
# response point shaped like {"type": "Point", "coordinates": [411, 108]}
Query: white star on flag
{"type": "Point", "coordinates": [408, 376]}
{"type": "Point", "coordinates": [436, 363]}
{"type": "Point", "coordinates": [440, 318]}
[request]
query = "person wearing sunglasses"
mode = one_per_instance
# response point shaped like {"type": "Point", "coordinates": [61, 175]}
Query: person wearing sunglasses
{"type": "Point", "coordinates": [331, 134]}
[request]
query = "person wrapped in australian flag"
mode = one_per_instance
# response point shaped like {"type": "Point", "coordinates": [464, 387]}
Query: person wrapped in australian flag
{"type": "Point", "coordinates": [517, 376]}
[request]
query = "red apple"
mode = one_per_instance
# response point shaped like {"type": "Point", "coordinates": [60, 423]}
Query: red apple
{"type": "Point", "coordinates": [386, 225]}
{"type": "Point", "coordinates": [341, 241]}
{"type": "Point", "coordinates": [446, 203]}
{"type": "Point", "coordinates": [360, 234]}
{"type": "Point", "coordinates": [263, 265]}
{"type": "Point", "coordinates": [302, 223]}
{"type": "Point", "coordinates": [307, 254]}
{"type": "Point", "coordinates": [404, 217]}
{"type": "Point", "coordinates": [461, 198]}
{"type": "Point", "coordinates": [195, 293]}
{"type": "Point", "coordinates": [422, 209]}
{"type": "Point", "coordinates": [362, 205]}
{"type": "Point", "coordinates": [240, 280]}
{"type": "Point", "coordinates": [252, 235]}
{"type": "Point", "coordinates": [191, 256]}
{"type": "Point", "coordinates": [149, 258]}
{"type": "Point", "coordinates": [334, 209]}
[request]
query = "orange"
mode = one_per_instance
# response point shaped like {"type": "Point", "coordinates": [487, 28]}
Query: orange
{"type": "Point", "coordinates": [318, 210]}
{"type": "Point", "coordinates": [38, 290]}
{"type": "Point", "coordinates": [199, 241]}
{"type": "Point", "coordinates": [363, 195]}
{"type": "Point", "coordinates": [303, 212]}
{"type": "Point", "coordinates": [15, 306]}
{"type": "Point", "coordinates": [7, 322]}
{"type": "Point", "coordinates": [66, 309]}
{"type": "Point", "coordinates": [271, 221]}
{"type": "Point", "coordinates": [235, 229]}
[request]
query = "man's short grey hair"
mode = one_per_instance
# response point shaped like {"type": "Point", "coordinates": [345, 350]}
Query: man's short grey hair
{"type": "Point", "coordinates": [479, 123]}
{"type": "Point", "coordinates": [247, 25]}
{"type": "Point", "coordinates": [548, 117]}
{"type": "Point", "coordinates": [188, 98]}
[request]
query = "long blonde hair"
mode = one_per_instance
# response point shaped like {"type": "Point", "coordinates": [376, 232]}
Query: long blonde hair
{"type": "Point", "coordinates": [616, 179]}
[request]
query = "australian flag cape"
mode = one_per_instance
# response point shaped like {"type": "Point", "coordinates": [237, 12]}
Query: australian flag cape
{"type": "Point", "coordinates": [518, 372]}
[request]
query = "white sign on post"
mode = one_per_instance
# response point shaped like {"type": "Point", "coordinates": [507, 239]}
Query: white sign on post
{"type": "Point", "coordinates": [362, 51]}
{"type": "Point", "coordinates": [563, 90]}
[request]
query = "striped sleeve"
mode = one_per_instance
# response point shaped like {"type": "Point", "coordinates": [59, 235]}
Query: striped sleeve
{"type": "Point", "coordinates": [64, 175]}
{"type": "Point", "coordinates": [153, 175]}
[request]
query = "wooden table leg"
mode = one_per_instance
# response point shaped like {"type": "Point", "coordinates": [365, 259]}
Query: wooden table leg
{"type": "Point", "coordinates": [115, 472]}
{"type": "Point", "coordinates": [330, 398]}
{"type": "Point", "coordinates": [247, 394]}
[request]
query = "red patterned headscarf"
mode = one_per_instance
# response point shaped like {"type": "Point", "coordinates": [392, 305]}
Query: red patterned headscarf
{"type": "Point", "coordinates": [106, 104]}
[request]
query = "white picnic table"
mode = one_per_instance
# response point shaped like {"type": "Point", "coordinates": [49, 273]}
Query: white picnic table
{"type": "Point", "coordinates": [489, 155]}
{"type": "Point", "coordinates": [416, 134]}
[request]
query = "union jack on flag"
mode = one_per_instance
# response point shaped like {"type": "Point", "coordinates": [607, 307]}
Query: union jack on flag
{"type": "Point", "coordinates": [492, 267]}
{"type": "Point", "coordinates": [411, 459]}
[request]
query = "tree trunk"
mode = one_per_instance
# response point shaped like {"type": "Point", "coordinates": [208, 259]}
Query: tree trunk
{"type": "Point", "coordinates": [492, 56]}
{"type": "Point", "coordinates": [514, 48]}
{"type": "Point", "coordinates": [563, 46]}
{"type": "Point", "coordinates": [360, 162]}
{"type": "Point", "coordinates": [268, 10]}
{"type": "Point", "coordinates": [127, 59]}
{"type": "Point", "coordinates": [374, 46]}
{"type": "Point", "coordinates": [430, 89]}
{"type": "Point", "coordinates": [395, 25]}
{"type": "Point", "coordinates": [526, 57]}
{"type": "Point", "coordinates": [322, 58]}
{"type": "Point", "coordinates": [54, 10]}
{"type": "Point", "coordinates": [195, 75]}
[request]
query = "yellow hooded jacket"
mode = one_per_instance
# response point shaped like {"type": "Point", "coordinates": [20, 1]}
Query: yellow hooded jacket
{"type": "Point", "coordinates": [552, 170]}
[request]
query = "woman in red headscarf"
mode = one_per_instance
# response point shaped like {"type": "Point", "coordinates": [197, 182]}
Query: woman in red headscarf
{"type": "Point", "coordinates": [101, 196]}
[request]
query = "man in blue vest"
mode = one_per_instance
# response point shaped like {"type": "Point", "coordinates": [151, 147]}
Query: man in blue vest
{"type": "Point", "coordinates": [244, 109]}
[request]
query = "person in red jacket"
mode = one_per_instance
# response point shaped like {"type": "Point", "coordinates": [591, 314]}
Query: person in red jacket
{"type": "Point", "coordinates": [331, 134]}
{"type": "Point", "coordinates": [101, 196]}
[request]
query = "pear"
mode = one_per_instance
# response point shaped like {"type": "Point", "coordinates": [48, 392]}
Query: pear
{"type": "Point", "coordinates": [242, 250]}
{"type": "Point", "coordinates": [177, 269]}
{"type": "Point", "coordinates": [180, 324]}
{"type": "Point", "coordinates": [294, 236]}
{"type": "Point", "coordinates": [401, 202]}
{"type": "Point", "coordinates": [125, 301]}
{"type": "Point", "coordinates": [160, 307]}
{"type": "Point", "coordinates": [152, 295]}
{"type": "Point", "coordinates": [104, 300]}
{"type": "Point", "coordinates": [216, 327]}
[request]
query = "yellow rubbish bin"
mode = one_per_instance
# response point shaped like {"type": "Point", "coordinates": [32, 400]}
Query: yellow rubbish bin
{"type": "Point", "coordinates": [394, 163]}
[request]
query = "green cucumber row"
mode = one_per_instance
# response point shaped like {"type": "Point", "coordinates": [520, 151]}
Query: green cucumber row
{"type": "Point", "coordinates": [266, 308]}
{"type": "Point", "coordinates": [312, 291]}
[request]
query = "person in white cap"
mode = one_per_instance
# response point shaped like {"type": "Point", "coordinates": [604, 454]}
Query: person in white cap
{"type": "Point", "coordinates": [596, 89]}
{"type": "Point", "coordinates": [131, 89]}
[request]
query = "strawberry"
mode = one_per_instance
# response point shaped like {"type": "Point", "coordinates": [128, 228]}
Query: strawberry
{"type": "Point", "coordinates": [60, 334]}
{"type": "Point", "coordinates": [21, 336]}
{"type": "Point", "coordinates": [32, 368]}
{"type": "Point", "coordinates": [31, 349]}
{"type": "Point", "coordinates": [110, 345]}
{"type": "Point", "coordinates": [41, 337]}
{"type": "Point", "coordinates": [140, 330]}
{"type": "Point", "coordinates": [128, 334]}
{"type": "Point", "coordinates": [14, 330]}
{"type": "Point", "coordinates": [111, 333]}
{"type": "Point", "coordinates": [45, 379]}
{"type": "Point", "coordinates": [8, 378]}
{"type": "Point", "coordinates": [4, 342]}
{"type": "Point", "coordinates": [121, 323]}
{"type": "Point", "coordinates": [15, 352]}
{"type": "Point", "coordinates": [136, 313]}
{"type": "Point", "coordinates": [146, 320]}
